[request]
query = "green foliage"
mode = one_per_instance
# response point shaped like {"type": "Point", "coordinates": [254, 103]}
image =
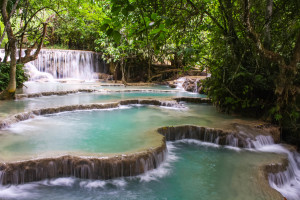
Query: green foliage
{"type": "Point", "coordinates": [21, 77]}
{"type": "Point", "coordinates": [188, 35]}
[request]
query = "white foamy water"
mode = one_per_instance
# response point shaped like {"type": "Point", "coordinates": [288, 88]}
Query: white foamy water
{"type": "Point", "coordinates": [164, 169]}
{"type": "Point", "coordinates": [198, 142]}
{"type": "Point", "coordinates": [287, 182]}
{"type": "Point", "coordinates": [93, 184]}
{"type": "Point", "coordinates": [64, 64]}
{"type": "Point", "coordinates": [18, 191]}
{"type": "Point", "coordinates": [35, 74]}
{"type": "Point", "coordinates": [60, 182]}
{"type": "Point", "coordinates": [179, 83]}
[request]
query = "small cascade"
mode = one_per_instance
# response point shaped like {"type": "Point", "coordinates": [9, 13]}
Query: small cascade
{"type": "Point", "coordinates": [179, 83]}
{"type": "Point", "coordinates": [287, 179]}
{"type": "Point", "coordinates": [261, 141]}
{"type": "Point", "coordinates": [1, 177]}
{"type": "Point", "coordinates": [284, 179]}
{"type": "Point", "coordinates": [86, 168]}
{"type": "Point", "coordinates": [287, 182]}
{"type": "Point", "coordinates": [193, 132]}
{"type": "Point", "coordinates": [232, 141]}
{"type": "Point", "coordinates": [196, 86]}
{"type": "Point", "coordinates": [173, 104]}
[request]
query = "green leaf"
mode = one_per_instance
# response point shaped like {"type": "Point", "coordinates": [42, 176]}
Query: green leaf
{"type": "Point", "coordinates": [130, 8]}
{"type": "Point", "coordinates": [162, 36]}
{"type": "Point", "coordinates": [154, 31]}
{"type": "Point", "coordinates": [116, 10]}
{"type": "Point", "coordinates": [117, 36]}
{"type": "Point", "coordinates": [104, 27]}
{"type": "Point", "coordinates": [109, 31]}
{"type": "Point", "coordinates": [153, 16]}
{"type": "Point", "coordinates": [161, 26]}
{"type": "Point", "coordinates": [125, 12]}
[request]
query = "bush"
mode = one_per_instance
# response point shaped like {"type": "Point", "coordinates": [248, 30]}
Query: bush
{"type": "Point", "coordinates": [4, 75]}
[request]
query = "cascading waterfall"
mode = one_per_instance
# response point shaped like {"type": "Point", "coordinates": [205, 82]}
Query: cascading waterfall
{"type": "Point", "coordinates": [70, 64]}
{"type": "Point", "coordinates": [65, 64]}
{"type": "Point", "coordinates": [286, 182]}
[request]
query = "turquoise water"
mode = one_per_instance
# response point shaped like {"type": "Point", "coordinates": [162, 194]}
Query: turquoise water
{"type": "Point", "coordinates": [36, 87]}
{"type": "Point", "coordinates": [100, 131]}
{"type": "Point", "coordinates": [12, 107]}
{"type": "Point", "coordinates": [192, 171]}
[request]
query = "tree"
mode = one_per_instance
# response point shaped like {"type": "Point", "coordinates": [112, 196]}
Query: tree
{"type": "Point", "coordinates": [35, 33]}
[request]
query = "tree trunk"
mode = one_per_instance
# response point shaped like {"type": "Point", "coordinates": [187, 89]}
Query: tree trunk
{"type": "Point", "coordinates": [286, 88]}
{"type": "Point", "coordinates": [9, 92]}
{"type": "Point", "coordinates": [269, 11]}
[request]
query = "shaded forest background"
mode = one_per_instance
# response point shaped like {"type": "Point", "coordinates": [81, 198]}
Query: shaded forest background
{"type": "Point", "coordinates": [251, 48]}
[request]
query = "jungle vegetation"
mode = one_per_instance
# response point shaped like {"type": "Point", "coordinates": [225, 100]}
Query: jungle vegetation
{"type": "Point", "coordinates": [251, 48]}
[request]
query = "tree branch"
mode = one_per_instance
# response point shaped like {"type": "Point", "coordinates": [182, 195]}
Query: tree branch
{"type": "Point", "coordinates": [11, 13]}
{"type": "Point", "coordinates": [29, 57]}
{"type": "Point", "coordinates": [273, 56]}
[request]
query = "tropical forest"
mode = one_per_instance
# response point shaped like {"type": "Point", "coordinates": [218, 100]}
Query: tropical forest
{"type": "Point", "coordinates": [150, 99]}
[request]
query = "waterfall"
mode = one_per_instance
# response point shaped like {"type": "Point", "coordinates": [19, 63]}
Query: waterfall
{"type": "Point", "coordinates": [232, 141]}
{"type": "Point", "coordinates": [179, 83]}
{"type": "Point", "coordinates": [286, 182]}
{"type": "Point", "coordinates": [65, 64]}
{"type": "Point", "coordinates": [196, 86]}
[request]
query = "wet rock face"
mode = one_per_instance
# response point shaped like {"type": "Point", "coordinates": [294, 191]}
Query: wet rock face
{"type": "Point", "coordinates": [221, 137]}
{"type": "Point", "coordinates": [205, 134]}
{"type": "Point", "coordinates": [277, 167]}
{"type": "Point", "coordinates": [193, 85]}
{"type": "Point", "coordinates": [271, 129]}
{"type": "Point", "coordinates": [172, 84]}
{"type": "Point", "coordinates": [189, 85]}
{"type": "Point", "coordinates": [86, 168]}
{"type": "Point", "coordinates": [193, 100]}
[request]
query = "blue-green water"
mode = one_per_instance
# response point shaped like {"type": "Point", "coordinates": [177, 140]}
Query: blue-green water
{"type": "Point", "coordinates": [192, 171]}
{"type": "Point", "coordinates": [12, 107]}
{"type": "Point", "coordinates": [118, 130]}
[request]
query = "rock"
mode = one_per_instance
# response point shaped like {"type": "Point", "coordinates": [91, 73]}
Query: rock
{"type": "Point", "coordinates": [172, 85]}
{"type": "Point", "coordinates": [190, 85]}
{"type": "Point", "coordinates": [103, 76]}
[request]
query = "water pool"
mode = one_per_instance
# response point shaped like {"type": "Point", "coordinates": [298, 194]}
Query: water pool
{"type": "Point", "coordinates": [193, 170]}
{"type": "Point", "coordinates": [120, 130]}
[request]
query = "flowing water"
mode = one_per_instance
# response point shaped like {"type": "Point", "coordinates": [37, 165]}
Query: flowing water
{"type": "Point", "coordinates": [193, 170]}
{"type": "Point", "coordinates": [120, 130]}
{"type": "Point", "coordinates": [64, 64]}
